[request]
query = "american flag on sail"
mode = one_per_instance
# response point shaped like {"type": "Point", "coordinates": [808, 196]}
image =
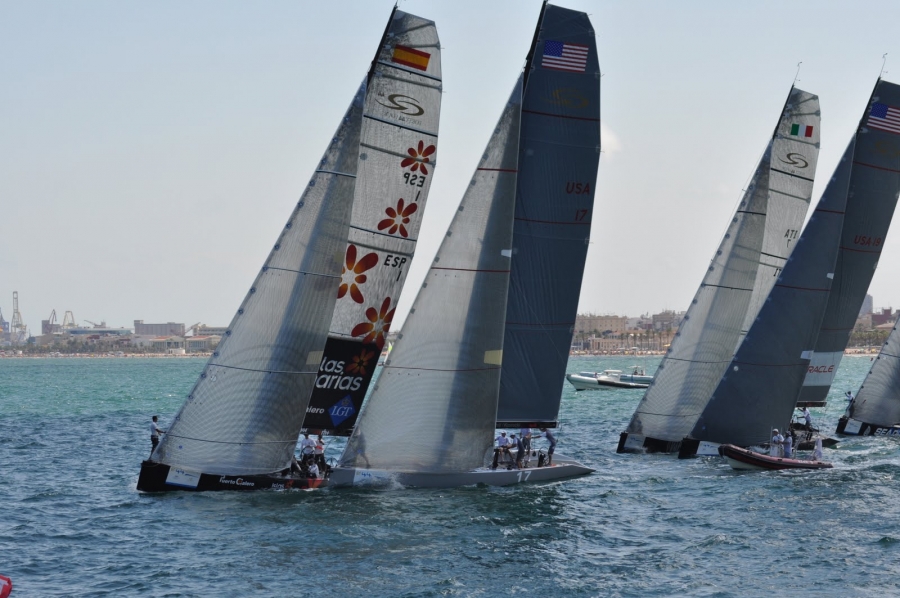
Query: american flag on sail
{"type": "Point", "coordinates": [884, 118]}
{"type": "Point", "coordinates": [563, 56]}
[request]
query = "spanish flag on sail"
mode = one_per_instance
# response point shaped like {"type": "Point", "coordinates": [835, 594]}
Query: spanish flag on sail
{"type": "Point", "coordinates": [411, 57]}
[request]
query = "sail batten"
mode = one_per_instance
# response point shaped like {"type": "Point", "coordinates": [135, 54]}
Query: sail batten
{"type": "Point", "coordinates": [756, 245]}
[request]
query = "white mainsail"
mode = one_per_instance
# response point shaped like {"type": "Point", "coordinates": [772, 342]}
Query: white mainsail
{"type": "Point", "coordinates": [756, 245]}
{"type": "Point", "coordinates": [433, 407]}
{"type": "Point", "coordinates": [397, 160]}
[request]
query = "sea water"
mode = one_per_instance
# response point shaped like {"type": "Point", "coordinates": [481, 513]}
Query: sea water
{"type": "Point", "coordinates": [74, 431]}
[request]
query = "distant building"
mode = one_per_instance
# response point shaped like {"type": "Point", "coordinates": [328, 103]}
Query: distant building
{"type": "Point", "coordinates": [201, 343]}
{"type": "Point", "coordinates": [667, 320]}
{"type": "Point", "coordinates": [590, 323]}
{"type": "Point", "coordinates": [168, 344]}
{"type": "Point", "coordinates": [884, 317]}
{"type": "Point", "coordinates": [864, 322]}
{"type": "Point", "coordinates": [167, 329]}
{"type": "Point", "coordinates": [205, 330]}
{"type": "Point", "coordinates": [866, 306]}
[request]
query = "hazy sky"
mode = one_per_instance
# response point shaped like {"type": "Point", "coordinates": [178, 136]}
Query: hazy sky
{"type": "Point", "coordinates": [150, 153]}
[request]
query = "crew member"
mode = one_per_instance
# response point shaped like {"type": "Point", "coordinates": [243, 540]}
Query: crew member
{"type": "Point", "coordinates": [552, 440]}
{"type": "Point", "coordinates": [154, 434]}
{"type": "Point", "coordinates": [775, 446]}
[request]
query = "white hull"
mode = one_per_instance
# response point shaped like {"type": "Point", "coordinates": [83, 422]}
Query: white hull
{"type": "Point", "coordinates": [562, 467]}
{"type": "Point", "coordinates": [600, 382]}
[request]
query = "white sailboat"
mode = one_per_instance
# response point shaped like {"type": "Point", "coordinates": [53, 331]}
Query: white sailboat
{"type": "Point", "coordinates": [238, 428]}
{"type": "Point", "coordinates": [430, 419]}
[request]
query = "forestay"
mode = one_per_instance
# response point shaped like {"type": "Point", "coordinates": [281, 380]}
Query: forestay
{"type": "Point", "coordinates": [245, 412]}
{"type": "Point", "coordinates": [866, 226]}
{"type": "Point", "coordinates": [558, 157]}
{"type": "Point", "coordinates": [743, 270]}
{"type": "Point", "coordinates": [878, 402]}
{"type": "Point", "coordinates": [433, 407]}
{"type": "Point", "coordinates": [397, 162]}
{"type": "Point", "coordinates": [762, 383]}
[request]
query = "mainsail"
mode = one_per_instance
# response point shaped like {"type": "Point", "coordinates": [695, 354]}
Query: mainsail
{"type": "Point", "coordinates": [761, 385]}
{"type": "Point", "coordinates": [558, 157]}
{"type": "Point", "coordinates": [434, 404]}
{"type": "Point", "coordinates": [865, 229]}
{"type": "Point", "coordinates": [245, 412]}
{"type": "Point", "coordinates": [743, 270]}
{"type": "Point", "coordinates": [878, 401]}
{"type": "Point", "coordinates": [397, 160]}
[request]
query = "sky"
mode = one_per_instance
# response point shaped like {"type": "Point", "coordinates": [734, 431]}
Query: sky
{"type": "Point", "coordinates": [150, 153]}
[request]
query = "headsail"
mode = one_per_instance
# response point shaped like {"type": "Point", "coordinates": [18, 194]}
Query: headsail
{"type": "Point", "coordinates": [743, 270]}
{"type": "Point", "coordinates": [865, 229]}
{"type": "Point", "coordinates": [244, 414]}
{"type": "Point", "coordinates": [558, 157]}
{"type": "Point", "coordinates": [878, 403]}
{"type": "Point", "coordinates": [434, 405]}
{"type": "Point", "coordinates": [397, 160]}
{"type": "Point", "coordinates": [761, 385]}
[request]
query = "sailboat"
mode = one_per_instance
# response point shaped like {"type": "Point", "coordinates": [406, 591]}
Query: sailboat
{"type": "Point", "coordinates": [756, 245]}
{"type": "Point", "coordinates": [861, 245]}
{"type": "Point", "coordinates": [430, 419]}
{"type": "Point", "coordinates": [875, 410]}
{"type": "Point", "coordinates": [400, 121]}
{"type": "Point", "coordinates": [761, 384]}
{"type": "Point", "coordinates": [238, 428]}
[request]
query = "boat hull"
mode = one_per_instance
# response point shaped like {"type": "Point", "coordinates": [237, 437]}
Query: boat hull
{"type": "Point", "coordinates": [157, 477]}
{"type": "Point", "coordinates": [588, 383]}
{"type": "Point", "coordinates": [745, 459]}
{"type": "Point", "coordinates": [635, 443]}
{"type": "Point", "coordinates": [853, 427]}
{"type": "Point", "coordinates": [562, 468]}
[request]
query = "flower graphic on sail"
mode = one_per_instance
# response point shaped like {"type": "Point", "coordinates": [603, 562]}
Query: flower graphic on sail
{"type": "Point", "coordinates": [397, 218]}
{"type": "Point", "coordinates": [360, 363]}
{"type": "Point", "coordinates": [352, 275]}
{"type": "Point", "coordinates": [418, 158]}
{"type": "Point", "coordinates": [378, 325]}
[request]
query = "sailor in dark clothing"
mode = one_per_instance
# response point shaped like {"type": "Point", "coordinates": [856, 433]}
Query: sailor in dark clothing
{"type": "Point", "coordinates": [552, 440]}
{"type": "Point", "coordinates": [154, 433]}
{"type": "Point", "coordinates": [520, 451]}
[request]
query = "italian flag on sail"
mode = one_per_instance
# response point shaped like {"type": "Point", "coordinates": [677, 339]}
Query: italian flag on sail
{"type": "Point", "coordinates": [799, 130]}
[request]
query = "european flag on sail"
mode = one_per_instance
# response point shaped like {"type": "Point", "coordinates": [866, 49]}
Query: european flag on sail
{"type": "Point", "coordinates": [884, 118]}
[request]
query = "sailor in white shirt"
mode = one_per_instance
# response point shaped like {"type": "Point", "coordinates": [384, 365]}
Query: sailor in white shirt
{"type": "Point", "coordinates": [313, 470]}
{"type": "Point", "coordinates": [775, 446]}
{"type": "Point", "coordinates": [307, 445]}
{"type": "Point", "coordinates": [154, 433]}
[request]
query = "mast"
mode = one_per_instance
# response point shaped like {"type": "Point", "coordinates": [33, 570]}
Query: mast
{"type": "Point", "coordinates": [529, 59]}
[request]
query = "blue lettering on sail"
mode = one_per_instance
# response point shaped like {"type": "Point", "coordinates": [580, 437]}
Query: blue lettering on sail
{"type": "Point", "coordinates": [341, 410]}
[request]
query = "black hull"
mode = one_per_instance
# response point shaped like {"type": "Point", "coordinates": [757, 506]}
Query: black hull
{"type": "Point", "coordinates": [867, 429]}
{"type": "Point", "coordinates": [651, 445]}
{"type": "Point", "coordinates": [802, 404]}
{"type": "Point", "coordinates": [155, 477]}
{"type": "Point", "coordinates": [806, 439]}
{"type": "Point", "coordinates": [688, 449]}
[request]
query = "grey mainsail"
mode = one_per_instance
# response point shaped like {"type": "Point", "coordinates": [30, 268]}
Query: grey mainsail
{"type": "Point", "coordinates": [865, 229]}
{"type": "Point", "coordinates": [558, 158]}
{"type": "Point", "coordinates": [878, 401]}
{"type": "Point", "coordinates": [245, 412]}
{"type": "Point", "coordinates": [433, 407]}
{"type": "Point", "coordinates": [761, 385]}
{"type": "Point", "coordinates": [743, 270]}
{"type": "Point", "coordinates": [397, 159]}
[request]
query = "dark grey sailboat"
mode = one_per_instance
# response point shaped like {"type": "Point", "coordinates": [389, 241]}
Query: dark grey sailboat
{"type": "Point", "coordinates": [761, 385]}
{"type": "Point", "coordinates": [865, 231]}
{"type": "Point", "coordinates": [876, 408]}
{"type": "Point", "coordinates": [743, 270]}
{"type": "Point", "coordinates": [239, 426]}
{"type": "Point", "coordinates": [430, 418]}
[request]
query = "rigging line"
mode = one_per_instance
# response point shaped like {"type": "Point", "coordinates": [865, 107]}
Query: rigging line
{"type": "Point", "coordinates": [375, 232]}
{"type": "Point", "coordinates": [234, 367]}
{"type": "Point", "coordinates": [721, 286]}
{"type": "Point", "coordinates": [293, 441]}
{"type": "Point", "coordinates": [797, 75]}
{"type": "Point", "coordinates": [697, 360]}
{"type": "Point", "coordinates": [400, 367]}
{"type": "Point", "coordinates": [772, 255]}
{"type": "Point", "coordinates": [300, 272]}
{"type": "Point", "coordinates": [883, 64]}
{"type": "Point", "coordinates": [800, 141]}
{"type": "Point", "coordinates": [377, 248]}
{"type": "Point", "coordinates": [751, 213]}
{"type": "Point", "coordinates": [399, 126]}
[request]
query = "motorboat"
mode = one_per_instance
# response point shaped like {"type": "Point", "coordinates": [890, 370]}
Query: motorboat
{"type": "Point", "coordinates": [745, 459]}
{"type": "Point", "coordinates": [606, 379]}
